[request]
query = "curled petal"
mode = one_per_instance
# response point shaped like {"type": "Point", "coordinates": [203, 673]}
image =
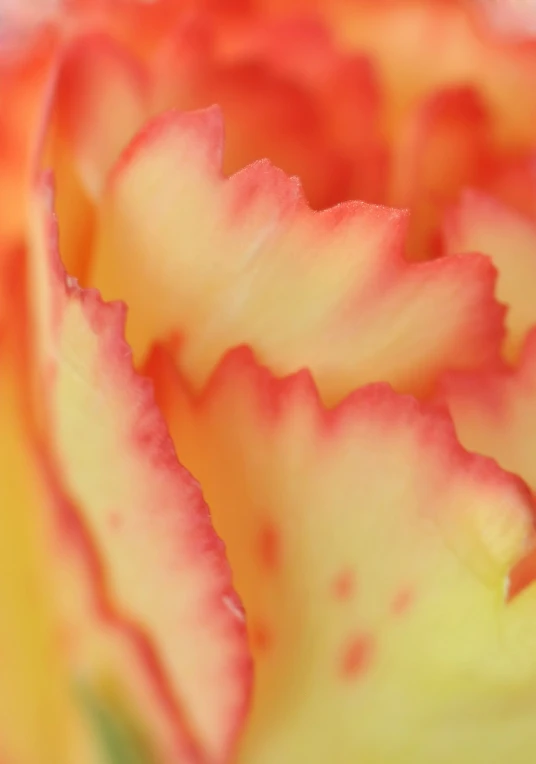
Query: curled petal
{"type": "Point", "coordinates": [163, 566]}
{"type": "Point", "coordinates": [227, 261]}
{"type": "Point", "coordinates": [371, 553]}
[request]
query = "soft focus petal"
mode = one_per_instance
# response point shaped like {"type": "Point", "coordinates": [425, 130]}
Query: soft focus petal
{"type": "Point", "coordinates": [334, 92]}
{"type": "Point", "coordinates": [37, 715]}
{"type": "Point", "coordinates": [371, 553]}
{"type": "Point", "coordinates": [102, 101]}
{"type": "Point", "coordinates": [455, 36]}
{"type": "Point", "coordinates": [223, 262]}
{"type": "Point", "coordinates": [495, 412]}
{"type": "Point", "coordinates": [26, 75]}
{"type": "Point", "coordinates": [443, 148]}
{"type": "Point", "coordinates": [163, 566]}
{"type": "Point", "coordinates": [139, 25]}
{"type": "Point", "coordinates": [288, 94]}
{"type": "Point", "coordinates": [479, 224]}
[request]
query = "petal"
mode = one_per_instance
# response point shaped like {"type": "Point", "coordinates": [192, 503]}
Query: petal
{"type": "Point", "coordinates": [456, 36]}
{"type": "Point", "coordinates": [37, 718]}
{"type": "Point", "coordinates": [495, 412]}
{"type": "Point", "coordinates": [138, 26]}
{"type": "Point", "coordinates": [223, 262]}
{"type": "Point", "coordinates": [441, 149]}
{"type": "Point", "coordinates": [25, 78]}
{"type": "Point", "coordinates": [371, 553]}
{"type": "Point", "coordinates": [75, 208]}
{"type": "Point", "coordinates": [511, 179]}
{"type": "Point", "coordinates": [288, 94]}
{"type": "Point", "coordinates": [99, 78]}
{"type": "Point", "coordinates": [164, 567]}
{"type": "Point", "coordinates": [480, 224]}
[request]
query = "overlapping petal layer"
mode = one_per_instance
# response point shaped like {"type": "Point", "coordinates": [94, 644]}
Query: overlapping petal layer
{"type": "Point", "coordinates": [164, 580]}
{"type": "Point", "coordinates": [480, 224]}
{"type": "Point", "coordinates": [288, 94]}
{"type": "Point", "coordinates": [98, 77]}
{"type": "Point", "coordinates": [495, 412]}
{"type": "Point", "coordinates": [456, 36]}
{"type": "Point", "coordinates": [244, 260]}
{"type": "Point", "coordinates": [372, 554]}
{"type": "Point", "coordinates": [334, 93]}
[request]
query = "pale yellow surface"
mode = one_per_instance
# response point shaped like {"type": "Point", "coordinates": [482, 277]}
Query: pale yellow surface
{"type": "Point", "coordinates": [427, 537]}
{"type": "Point", "coordinates": [37, 715]}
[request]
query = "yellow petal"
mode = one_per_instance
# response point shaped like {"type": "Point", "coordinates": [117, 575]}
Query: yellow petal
{"type": "Point", "coordinates": [163, 568]}
{"type": "Point", "coordinates": [224, 262]}
{"type": "Point", "coordinates": [37, 710]}
{"type": "Point", "coordinates": [371, 553]}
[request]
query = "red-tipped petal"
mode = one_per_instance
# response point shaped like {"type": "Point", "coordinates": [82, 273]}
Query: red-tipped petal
{"type": "Point", "coordinates": [371, 553]}
{"type": "Point", "coordinates": [495, 412]}
{"type": "Point", "coordinates": [288, 94]}
{"type": "Point", "coordinates": [164, 567]}
{"type": "Point", "coordinates": [227, 261]}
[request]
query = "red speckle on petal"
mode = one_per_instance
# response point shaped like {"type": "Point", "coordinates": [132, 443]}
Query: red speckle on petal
{"type": "Point", "coordinates": [343, 586]}
{"type": "Point", "coordinates": [402, 601]}
{"type": "Point", "coordinates": [261, 638]}
{"type": "Point", "coordinates": [269, 547]}
{"type": "Point", "coordinates": [356, 656]}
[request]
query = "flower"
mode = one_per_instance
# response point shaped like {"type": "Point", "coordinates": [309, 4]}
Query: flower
{"type": "Point", "coordinates": [353, 386]}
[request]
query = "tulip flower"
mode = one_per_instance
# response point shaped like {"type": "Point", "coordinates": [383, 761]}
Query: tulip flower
{"type": "Point", "coordinates": [267, 383]}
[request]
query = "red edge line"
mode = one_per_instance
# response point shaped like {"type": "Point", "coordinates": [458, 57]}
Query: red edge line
{"type": "Point", "coordinates": [274, 395]}
{"type": "Point", "coordinates": [115, 312]}
{"type": "Point", "coordinates": [207, 124]}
